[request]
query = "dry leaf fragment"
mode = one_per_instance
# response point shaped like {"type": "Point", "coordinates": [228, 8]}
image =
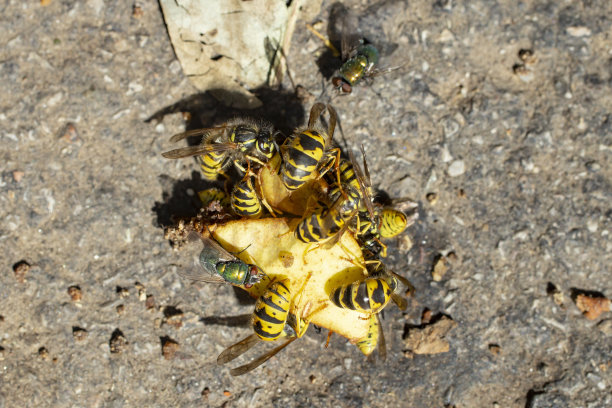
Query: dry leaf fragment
{"type": "Point", "coordinates": [429, 339]}
{"type": "Point", "coordinates": [592, 306]}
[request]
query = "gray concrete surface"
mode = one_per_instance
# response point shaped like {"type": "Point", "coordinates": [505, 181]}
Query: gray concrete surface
{"type": "Point", "coordinates": [517, 152]}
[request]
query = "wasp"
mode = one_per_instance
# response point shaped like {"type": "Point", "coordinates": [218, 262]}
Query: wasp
{"type": "Point", "coordinates": [223, 267]}
{"type": "Point", "coordinates": [373, 221]}
{"type": "Point", "coordinates": [275, 317]}
{"type": "Point", "coordinates": [239, 141]}
{"type": "Point", "coordinates": [348, 199]}
{"type": "Point", "coordinates": [372, 294]}
{"type": "Point", "coordinates": [307, 154]}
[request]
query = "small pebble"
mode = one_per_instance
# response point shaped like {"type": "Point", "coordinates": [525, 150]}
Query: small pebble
{"type": "Point", "coordinates": [456, 168]}
{"type": "Point", "coordinates": [440, 269]}
{"type": "Point", "coordinates": [579, 31]}
{"type": "Point", "coordinates": [43, 353]}
{"type": "Point", "coordinates": [606, 327]}
{"type": "Point", "coordinates": [18, 175]}
{"type": "Point", "coordinates": [592, 306]}
{"type": "Point", "coordinates": [150, 302]}
{"type": "Point", "coordinates": [142, 291]}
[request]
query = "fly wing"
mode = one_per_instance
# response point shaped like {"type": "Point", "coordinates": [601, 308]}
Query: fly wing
{"type": "Point", "coordinates": [344, 25]}
{"type": "Point", "coordinates": [198, 271]}
{"type": "Point", "coordinates": [222, 253]}
{"type": "Point", "coordinates": [202, 277]}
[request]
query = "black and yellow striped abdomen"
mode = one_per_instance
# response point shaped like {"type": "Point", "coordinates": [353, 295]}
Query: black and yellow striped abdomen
{"type": "Point", "coordinates": [368, 344]}
{"type": "Point", "coordinates": [368, 296]}
{"type": "Point", "coordinates": [302, 157]}
{"type": "Point", "coordinates": [245, 201]}
{"type": "Point", "coordinates": [324, 222]}
{"type": "Point", "coordinates": [347, 174]}
{"type": "Point", "coordinates": [392, 223]}
{"type": "Point", "coordinates": [212, 164]}
{"type": "Point", "coordinates": [319, 225]}
{"type": "Point", "coordinates": [271, 310]}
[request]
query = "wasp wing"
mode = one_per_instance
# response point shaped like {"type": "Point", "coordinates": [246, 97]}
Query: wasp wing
{"type": "Point", "coordinates": [237, 349]}
{"type": "Point", "coordinates": [400, 301]}
{"type": "Point", "coordinates": [402, 279]}
{"type": "Point", "coordinates": [365, 185]}
{"type": "Point", "coordinates": [208, 132]}
{"type": "Point", "coordinates": [260, 360]}
{"type": "Point", "coordinates": [382, 345]}
{"type": "Point", "coordinates": [198, 150]}
{"type": "Point", "coordinates": [343, 24]}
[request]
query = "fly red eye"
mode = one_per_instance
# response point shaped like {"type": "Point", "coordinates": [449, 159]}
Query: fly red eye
{"type": "Point", "coordinates": [346, 88]}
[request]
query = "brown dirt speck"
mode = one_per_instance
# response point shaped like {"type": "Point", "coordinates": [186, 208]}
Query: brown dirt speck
{"type": "Point", "coordinates": [75, 293]}
{"type": "Point", "coordinates": [118, 343]}
{"type": "Point", "coordinates": [169, 347]}
{"type": "Point", "coordinates": [79, 334]}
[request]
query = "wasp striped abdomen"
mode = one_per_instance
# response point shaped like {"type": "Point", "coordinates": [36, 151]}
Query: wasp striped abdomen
{"type": "Point", "coordinates": [368, 296]}
{"type": "Point", "coordinates": [245, 201]}
{"type": "Point", "coordinates": [271, 311]}
{"type": "Point", "coordinates": [324, 222]}
{"type": "Point", "coordinates": [392, 223]}
{"type": "Point", "coordinates": [302, 157]}
{"type": "Point", "coordinates": [212, 164]}
{"type": "Point", "coordinates": [368, 344]}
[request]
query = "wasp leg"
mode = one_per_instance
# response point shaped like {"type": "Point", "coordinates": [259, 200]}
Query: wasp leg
{"type": "Point", "coordinates": [325, 40]}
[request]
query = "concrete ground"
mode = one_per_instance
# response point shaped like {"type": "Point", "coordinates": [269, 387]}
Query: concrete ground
{"type": "Point", "coordinates": [498, 123]}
